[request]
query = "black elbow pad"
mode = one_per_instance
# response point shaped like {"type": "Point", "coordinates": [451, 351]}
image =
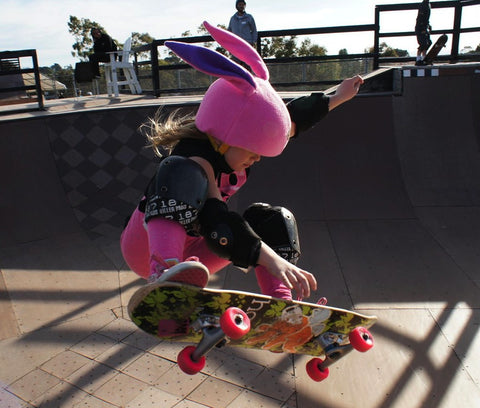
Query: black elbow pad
{"type": "Point", "coordinates": [306, 111]}
{"type": "Point", "coordinates": [228, 235]}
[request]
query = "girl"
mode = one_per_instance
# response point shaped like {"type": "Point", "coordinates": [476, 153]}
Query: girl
{"type": "Point", "coordinates": [182, 229]}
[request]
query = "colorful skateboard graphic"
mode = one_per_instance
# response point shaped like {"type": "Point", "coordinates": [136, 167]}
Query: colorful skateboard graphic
{"type": "Point", "coordinates": [208, 317]}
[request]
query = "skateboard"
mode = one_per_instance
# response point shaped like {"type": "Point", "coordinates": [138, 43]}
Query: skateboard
{"type": "Point", "coordinates": [212, 318]}
{"type": "Point", "coordinates": [436, 48]}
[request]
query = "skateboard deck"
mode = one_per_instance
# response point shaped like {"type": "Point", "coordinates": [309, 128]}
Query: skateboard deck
{"type": "Point", "coordinates": [435, 49]}
{"type": "Point", "coordinates": [186, 313]}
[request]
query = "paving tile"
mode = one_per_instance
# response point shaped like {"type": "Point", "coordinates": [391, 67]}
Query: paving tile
{"type": "Point", "coordinates": [273, 383]}
{"type": "Point", "coordinates": [398, 261]}
{"type": "Point", "coordinates": [9, 327]}
{"type": "Point", "coordinates": [215, 393]}
{"type": "Point", "coordinates": [40, 294]}
{"type": "Point", "coordinates": [461, 328]}
{"type": "Point", "coordinates": [279, 361]}
{"type": "Point", "coordinates": [190, 404]}
{"type": "Point", "coordinates": [33, 385]}
{"type": "Point", "coordinates": [154, 397]}
{"type": "Point", "coordinates": [23, 354]}
{"type": "Point", "coordinates": [94, 345]}
{"type": "Point", "coordinates": [129, 283]}
{"type": "Point", "coordinates": [148, 368]}
{"type": "Point", "coordinates": [291, 402]}
{"type": "Point", "coordinates": [215, 359]}
{"type": "Point", "coordinates": [168, 349]}
{"type": "Point", "coordinates": [178, 383]}
{"type": "Point", "coordinates": [64, 364]}
{"type": "Point", "coordinates": [120, 390]}
{"type": "Point", "coordinates": [141, 340]}
{"type": "Point", "coordinates": [79, 328]}
{"type": "Point", "coordinates": [119, 356]}
{"type": "Point", "coordinates": [456, 228]}
{"type": "Point", "coordinates": [91, 401]}
{"type": "Point", "coordinates": [9, 400]}
{"type": "Point", "coordinates": [91, 376]}
{"type": "Point", "coordinates": [238, 371]}
{"type": "Point", "coordinates": [61, 395]}
{"type": "Point", "coordinates": [252, 399]}
{"type": "Point", "coordinates": [118, 329]}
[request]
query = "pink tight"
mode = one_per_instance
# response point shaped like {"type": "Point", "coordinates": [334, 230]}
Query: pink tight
{"type": "Point", "coordinates": [147, 248]}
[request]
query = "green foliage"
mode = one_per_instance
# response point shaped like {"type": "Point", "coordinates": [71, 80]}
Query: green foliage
{"type": "Point", "coordinates": [139, 40]}
{"type": "Point", "coordinates": [279, 47]}
{"type": "Point", "coordinates": [308, 49]}
{"type": "Point", "coordinates": [386, 51]}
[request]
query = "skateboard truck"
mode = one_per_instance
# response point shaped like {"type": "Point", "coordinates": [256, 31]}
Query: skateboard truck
{"type": "Point", "coordinates": [360, 339]}
{"type": "Point", "coordinates": [232, 324]}
{"type": "Point", "coordinates": [213, 335]}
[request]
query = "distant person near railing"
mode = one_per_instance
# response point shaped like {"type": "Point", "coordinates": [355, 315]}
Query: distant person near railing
{"type": "Point", "coordinates": [243, 24]}
{"type": "Point", "coordinates": [102, 43]}
{"type": "Point", "coordinates": [422, 31]}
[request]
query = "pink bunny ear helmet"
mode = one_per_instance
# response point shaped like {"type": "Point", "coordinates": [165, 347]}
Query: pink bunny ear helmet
{"type": "Point", "coordinates": [239, 109]}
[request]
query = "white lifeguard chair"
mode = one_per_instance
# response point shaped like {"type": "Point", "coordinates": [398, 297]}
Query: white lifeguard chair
{"type": "Point", "coordinates": [121, 62]}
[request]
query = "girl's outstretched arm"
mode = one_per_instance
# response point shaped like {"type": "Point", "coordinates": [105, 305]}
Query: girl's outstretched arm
{"type": "Point", "coordinates": [306, 111]}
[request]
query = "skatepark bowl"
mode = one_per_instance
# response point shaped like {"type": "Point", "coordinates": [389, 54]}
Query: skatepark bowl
{"type": "Point", "coordinates": [386, 193]}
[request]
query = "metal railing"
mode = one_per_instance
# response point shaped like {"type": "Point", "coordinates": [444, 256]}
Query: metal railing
{"type": "Point", "coordinates": [456, 30]}
{"type": "Point", "coordinates": [368, 60]}
{"type": "Point", "coordinates": [11, 72]}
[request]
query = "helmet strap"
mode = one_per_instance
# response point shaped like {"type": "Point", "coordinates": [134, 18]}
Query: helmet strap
{"type": "Point", "coordinates": [219, 147]}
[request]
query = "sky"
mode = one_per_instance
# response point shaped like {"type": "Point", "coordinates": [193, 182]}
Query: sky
{"type": "Point", "coordinates": [42, 24]}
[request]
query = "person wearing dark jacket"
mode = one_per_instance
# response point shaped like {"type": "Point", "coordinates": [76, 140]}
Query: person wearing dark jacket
{"type": "Point", "coordinates": [243, 24]}
{"type": "Point", "coordinates": [422, 31]}
{"type": "Point", "coordinates": [102, 43]}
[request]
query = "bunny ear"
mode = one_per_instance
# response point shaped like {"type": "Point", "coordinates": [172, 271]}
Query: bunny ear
{"type": "Point", "coordinates": [240, 49]}
{"type": "Point", "coordinates": [211, 62]}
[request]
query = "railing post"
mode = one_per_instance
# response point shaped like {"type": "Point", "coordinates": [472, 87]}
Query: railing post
{"type": "Point", "coordinates": [38, 85]}
{"type": "Point", "coordinates": [155, 71]}
{"type": "Point", "coordinates": [457, 22]}
{"type": "Point", "coordinates": [259, 45]}
{"type": "Point", "coordinates": [376, 39]}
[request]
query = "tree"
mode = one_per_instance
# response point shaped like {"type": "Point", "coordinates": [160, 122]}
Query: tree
{"type": "Point", "coordinates": [307, 49]}
{"type": "Point", "coordinates": [141, 39]}
{"type": "Point", "coordinates": [386, 51]}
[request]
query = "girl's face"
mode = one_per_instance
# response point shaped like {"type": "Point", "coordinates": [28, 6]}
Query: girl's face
{"type": "Point", "coordinates": [239, 159]}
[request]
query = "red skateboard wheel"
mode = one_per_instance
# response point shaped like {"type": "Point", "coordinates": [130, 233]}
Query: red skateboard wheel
{"type": "Point", "coordinates": [315, 370]}
{"type": "Point", "coordinates": [361, 339]}
{"type": "Point", "coordinates": [187, 364]}
{"type": "Point", "coordinates": [235, 323]}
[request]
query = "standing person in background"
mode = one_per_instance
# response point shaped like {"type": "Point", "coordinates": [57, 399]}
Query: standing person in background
{"type": "Point", "coordinates": [102, 43]}
{"type": "Point", "coordinates": [422, 31]}
{"type": "Point", "coordinates": [243, 24]}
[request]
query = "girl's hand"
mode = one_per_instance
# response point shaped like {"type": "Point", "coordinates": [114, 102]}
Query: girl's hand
{"type": "Point", "coordinates": [291, 276]}
{"type": "Point", "coordinates": [345, 91]}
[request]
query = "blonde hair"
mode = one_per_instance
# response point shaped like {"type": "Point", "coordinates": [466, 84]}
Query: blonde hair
{"type": "Point", "coordinates": [166, 133]}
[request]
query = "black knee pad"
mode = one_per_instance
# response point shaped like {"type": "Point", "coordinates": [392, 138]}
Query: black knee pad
{"type": "Point", "coordinates": [277, 227]}
{"type": "Point", "coordinates": [177, 192]}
